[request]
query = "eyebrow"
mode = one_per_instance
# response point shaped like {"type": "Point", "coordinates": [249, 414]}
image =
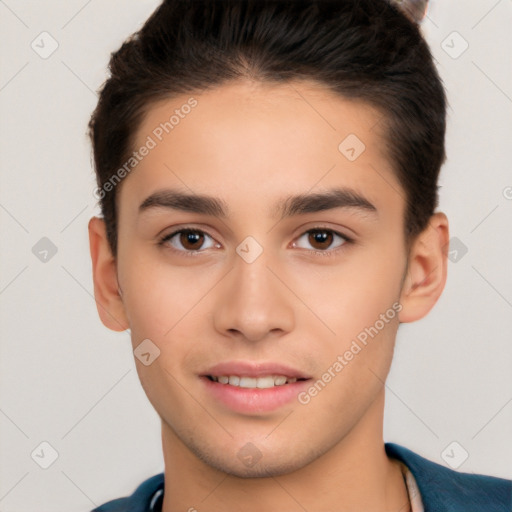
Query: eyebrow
{"type": "Point", "coordinates": [292, 205]}
{"type": "Point", "coordinates": [320, 201]}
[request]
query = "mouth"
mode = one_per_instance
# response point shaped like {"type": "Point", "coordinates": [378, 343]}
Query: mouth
{"type": "Point", "coordinates": [263, 382]}
{"type": "Point", "coordinates": [253, 388]}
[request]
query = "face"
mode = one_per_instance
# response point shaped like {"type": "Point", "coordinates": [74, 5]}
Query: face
{"type": "Point", "coordinates": [285, 272]}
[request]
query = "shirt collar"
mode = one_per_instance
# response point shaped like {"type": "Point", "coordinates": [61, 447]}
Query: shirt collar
{"type": "Point", "coordinates": [412, 489]}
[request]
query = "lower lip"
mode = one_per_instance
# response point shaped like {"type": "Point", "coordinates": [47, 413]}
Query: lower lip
{"type": "Point", "coordinates": [254, 400]}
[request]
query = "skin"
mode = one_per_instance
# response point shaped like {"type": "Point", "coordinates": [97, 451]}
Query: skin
{"type": "Point", "coordinates": [250, 145]}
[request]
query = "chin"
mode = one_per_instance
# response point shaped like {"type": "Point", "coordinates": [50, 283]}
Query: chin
{"type": "Point", "coordinates": [250, 462]}
{"type": "Point", "coordinates": [264, 468]}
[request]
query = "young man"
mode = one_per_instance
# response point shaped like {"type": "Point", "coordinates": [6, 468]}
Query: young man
{"type": "Point", "coordinates": [267, 172]}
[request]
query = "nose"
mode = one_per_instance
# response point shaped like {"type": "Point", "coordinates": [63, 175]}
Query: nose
{"type": "Point", "coordinates": [252, 303]}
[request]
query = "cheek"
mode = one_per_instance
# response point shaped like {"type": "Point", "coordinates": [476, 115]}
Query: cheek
{"type": "Point", "coordinates": [352, 294]}
{"type": "Point", "coordinates": [158, 295]}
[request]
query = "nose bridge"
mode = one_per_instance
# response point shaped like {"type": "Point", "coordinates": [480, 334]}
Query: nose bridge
{"type": "Point", "coordinates": [253, 302]}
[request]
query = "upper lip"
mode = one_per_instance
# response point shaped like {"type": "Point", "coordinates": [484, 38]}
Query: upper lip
{"type": "Point", "coordinates": [254, 369]}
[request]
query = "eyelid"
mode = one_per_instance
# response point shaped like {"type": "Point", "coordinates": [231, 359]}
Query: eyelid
{"type": "Point", "coordinates": [348, 234]}
{"type": "Point", "coordinates": [163, 240]}
{"type": "Point", "coordinates": [324, 252]}
{"type": "Point", "coordinates": [341, 230]}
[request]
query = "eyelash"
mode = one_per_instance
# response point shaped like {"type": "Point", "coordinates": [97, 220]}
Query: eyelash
{"type": "Point", "coordinates": [325, 253]}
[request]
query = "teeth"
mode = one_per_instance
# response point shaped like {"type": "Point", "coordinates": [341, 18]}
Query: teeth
{"type": "Point", "coordinates": [265, 382]}
{"type": "Point", "coordinates": [268, 381]}
{"type": "Point", "coordinates": [234, 380]}
{"type": "Point", "coordinates": [248, 382]}
{"type": "Point", "coordinates": [279, 380]}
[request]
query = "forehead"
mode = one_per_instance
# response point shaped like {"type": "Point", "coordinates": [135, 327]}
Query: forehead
{"type": "Point", "coordinates": [245, 104]}
{"type": "Point", "coordinates": [261, 140]}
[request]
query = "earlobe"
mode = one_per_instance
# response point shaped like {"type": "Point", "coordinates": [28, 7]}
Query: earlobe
{"type": "Point", "coordinates": [106, 287]}
{"type": "Point", "coordinates": [427, 270]}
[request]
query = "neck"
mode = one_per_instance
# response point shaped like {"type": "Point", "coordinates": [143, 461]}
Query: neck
{"type": "Point", "coordinates": [354, 475]}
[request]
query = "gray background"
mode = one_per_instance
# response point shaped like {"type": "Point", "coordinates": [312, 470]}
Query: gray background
{"type": "Point", "coordinates": [68, 381]}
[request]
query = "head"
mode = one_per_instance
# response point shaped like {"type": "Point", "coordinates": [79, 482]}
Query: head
{"type": "Point", "coordinates": [300, 144]}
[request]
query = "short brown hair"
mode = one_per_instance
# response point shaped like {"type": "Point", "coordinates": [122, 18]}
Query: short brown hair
{"type": "Point", "coordinates": [360, 49]}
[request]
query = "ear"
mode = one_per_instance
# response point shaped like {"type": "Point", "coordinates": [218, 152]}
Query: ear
{"type": "Point", "coordinates": [104, 269]}
{"type": "Point", "coordinates": [427, 270]}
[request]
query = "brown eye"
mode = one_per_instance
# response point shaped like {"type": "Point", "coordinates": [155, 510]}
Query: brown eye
{"type": "Point", "coordinates": [319, 239]}
{"type": "Point", "coordinates": [189, 240]}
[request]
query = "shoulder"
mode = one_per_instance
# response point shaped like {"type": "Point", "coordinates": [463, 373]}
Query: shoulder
{"type": "Point", "coordinates": [445, 490]}
{"type": "Point", "coordinates": [139, 501]}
